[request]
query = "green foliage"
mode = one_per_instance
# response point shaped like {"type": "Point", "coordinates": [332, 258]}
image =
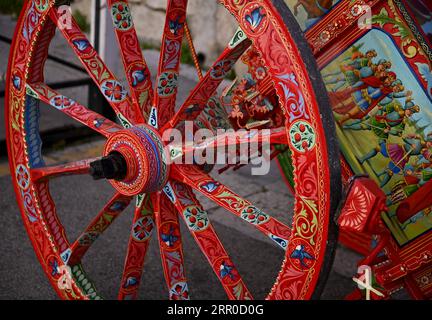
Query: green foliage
{"type": "Point", "coordinates": [11, 7]}
{"type": "Point", "coordinates": [186, 55]}
{"type": "Point", "coordinates": [81, 20]}
{"type": "Point", "coordinates": [149, 46]}
{"type": "Point", "coordinates": [231, 75]}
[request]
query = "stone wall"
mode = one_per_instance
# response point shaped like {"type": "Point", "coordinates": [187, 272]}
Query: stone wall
{"type": "Point", "coordinates": [210, 24]}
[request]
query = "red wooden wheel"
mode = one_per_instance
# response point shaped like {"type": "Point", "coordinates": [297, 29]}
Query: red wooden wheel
{"type": "Point", "coordinates": [165, 192]}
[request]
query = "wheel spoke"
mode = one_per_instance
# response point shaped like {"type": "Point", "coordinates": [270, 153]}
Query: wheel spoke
{"type": "Point", "coordinates": [71, 168]}
{"type": "Point", "coordinates": [169, 63]}
{"type": "Point", "coordinates": [114, 92]}
{"type": "Point", "coordinates": [197, 220]}
{"type": "Point", "coordinates": [139, 239]}
{"type": "Point", "coordinates": [207, 87]}
{"type": "Point", "coordinates": [223, 196]}
{"type": "Point", "coordinates": [230, 139]}
{"type": "Point", "coordinates": [73, 109]}
{"type": "Point", "coordinates": [170, 245]}
{"type": "Point", "coordinates": [135, 66]}
{"type": "Point", "coordinates": [100, 223]}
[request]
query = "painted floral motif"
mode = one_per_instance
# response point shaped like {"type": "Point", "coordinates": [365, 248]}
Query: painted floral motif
{"type": "Point", "coordinates": [22, 176]}
{"type": "Point", "coordinates": [167, 84]}
{"type": "Point", "coordinates": [121, 16]}
{"type": "Point", "coordinates": [143, 228]}
{"type": "Point", "coordinates": [61, 102]}
{"type": "Point", "coordinates": [113, 91]}
{"type": "Point", "coordinates": [254, 215]}
{"type": "Point", "coordinates": [196, 218]}
{"type": "Point", "coordinates": [41, 5]}
{"type": "Point", "coordinates": [302, 136]}
{"type": "Point", "coordinates": [221, 69]}
{"type": "Point", "coordinates": [255, 19]}
{"type": "Point", "coordinates": [179, 291]}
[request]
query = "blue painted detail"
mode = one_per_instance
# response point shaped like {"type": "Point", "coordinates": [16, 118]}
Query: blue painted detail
{"type": "Point", "coordinates": [138, 77]}
{"type": "Point", "coordinates": [280, 241]}
{"type": "Point", "coordinates": [300, 254]}
{"type": "Point", "coordinates": [170, 239]}
{"type": "Point", "coordinates": [54, 267]}
{"type": "Point", "coordinates": [118, 206]}
{"type": "Point", "coordinates": [130, 282]}
{"type": "Point", "coordinates": [65, 255]}
{"type": "Point", "coordinates": [81, 44]}
{"type": "Point", "coordinates": [175, 26]}
{"type": "Point", "coordinates": [226, 271]}
{"type": "Point", "coordinates": [210, 186]}
{"type": "Point", "coordinates": [16, 82]}
{"type": "Point", "coordinates": [255, 18]}
{"type": "Point", "coordinates": [33, 139]}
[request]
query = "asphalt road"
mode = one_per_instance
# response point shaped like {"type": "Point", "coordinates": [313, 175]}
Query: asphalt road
{"type": "Point", "coordinates": [79, 199]}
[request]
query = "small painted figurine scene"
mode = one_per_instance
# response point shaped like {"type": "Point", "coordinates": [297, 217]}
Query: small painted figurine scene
{"type": "Point", "coordinates": [384, 122]}
{"type": "Point", "coordinates": [309, 12]}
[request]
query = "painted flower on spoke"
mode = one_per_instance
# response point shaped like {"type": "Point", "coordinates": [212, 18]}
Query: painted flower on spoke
{"type": "Point", "coordinates": [179, 291]}
{"type": "Point", "coordinates": [113, 91]}
{"type": "Point", "coordinates": [121, 16]}
{"type": "Point", "coordinates": [143, 228]}
{"type": "Point", "coordinates": [302, 136]}
{"type": "Point", "coordinates": [22, 176]}
{"type": "Point", "coordinates": [254, 215]}
{"type": "Point", "coordinates": [221, 69]}
{"type": "Point", "coordinates": [196, 218]}
{"type": "Point", "coordinates": [167, 83]}
{"type": "Point", "coordinates": [61, 102]}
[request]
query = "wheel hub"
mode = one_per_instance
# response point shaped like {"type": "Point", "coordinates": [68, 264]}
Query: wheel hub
{"type": "Point", "coordinates": [134, 161]}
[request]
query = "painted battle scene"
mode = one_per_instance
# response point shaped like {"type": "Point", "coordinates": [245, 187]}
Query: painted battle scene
{"type": "Point", "coordinates": [309, 12]}
{"type": "Point", "coordinates": [384, 122]}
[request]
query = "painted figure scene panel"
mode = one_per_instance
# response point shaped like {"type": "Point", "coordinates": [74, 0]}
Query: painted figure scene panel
{"type": "Point", "coordinates": [384, 122]}
{"type": "Point", "coordinates": [309, 12]}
